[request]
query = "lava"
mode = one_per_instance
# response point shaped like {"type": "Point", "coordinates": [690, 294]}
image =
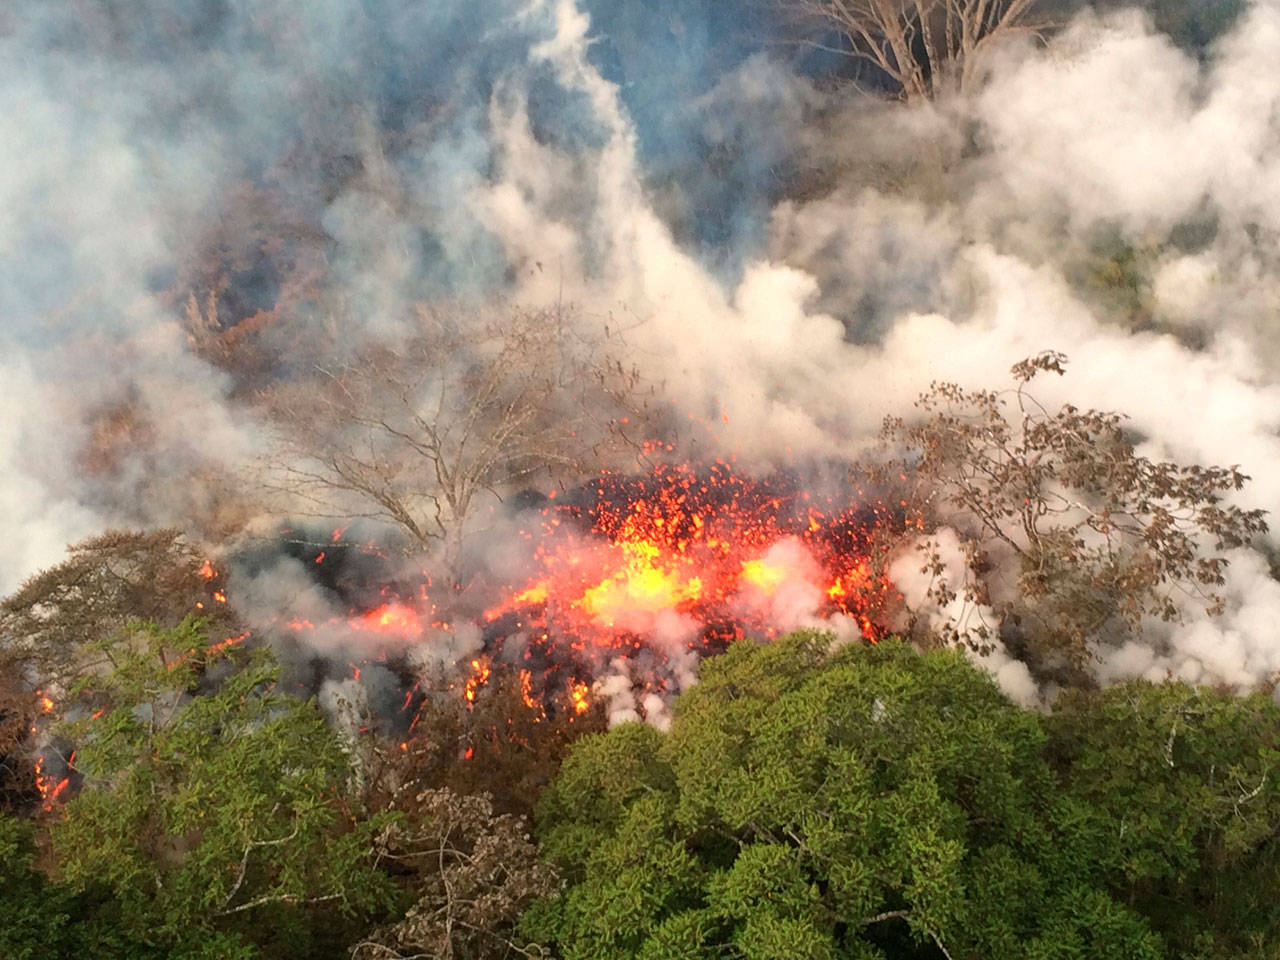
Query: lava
{"type": "Point", "coordinates": [707, 556]}
{"type": "Point", "coordinates": [392, 618]}
{"type": "Point", "coordinates": [49, 785]}
{"type": "Point", "coordinates": [478, 678]}
{"type": "Point", "coordinates": [631, 577]}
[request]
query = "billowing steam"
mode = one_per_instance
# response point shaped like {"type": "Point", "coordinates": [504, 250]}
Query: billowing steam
{"type": "Point", "coordinates": [202, 200]}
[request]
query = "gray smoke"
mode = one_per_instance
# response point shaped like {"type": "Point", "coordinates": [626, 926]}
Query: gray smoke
{"type": "Point", "coordinates": [1108, 195]}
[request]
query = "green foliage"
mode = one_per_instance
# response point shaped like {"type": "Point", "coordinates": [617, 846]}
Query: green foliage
{"type": "Point", "coordinates": [33, 919]}
{"type": "Point", "coordinates": [214, 807]}
{"type": "Point", "coordinates": [1116, 275]}
{"type": "Point", "coordinates": [862, 802]}
{"type": "Point", "coordinates": [54, 623]}
{"type": "Point", "coordinates": [43, 918]}
{"type": "Point", "coordinates": [1174, 792]}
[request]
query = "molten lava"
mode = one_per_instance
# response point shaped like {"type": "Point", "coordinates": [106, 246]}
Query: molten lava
{"type": "Point", "coordinates": [696, 556]}
{"type": "Point", "coordinates": [392, 618]}
{"type": "Point", "coordinates": [632, 578]}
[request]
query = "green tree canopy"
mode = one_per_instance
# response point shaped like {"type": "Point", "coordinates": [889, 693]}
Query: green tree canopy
{"type": "Point", "coordinates": [214, 808]}
{"type": "Point", "coordinates": [1173, 794]}
{"type": "Point", "coordinates": [861, 802]}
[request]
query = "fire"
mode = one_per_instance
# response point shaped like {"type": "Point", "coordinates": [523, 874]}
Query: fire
{"type": "Point", "coordinates": [207, 571]}
{"type": "Point", "coordinates": [50, 787]}
{"type": "Point", "coordinates": [701, 554]}
{"type": "Point", "coordinates": [644, 583]}
{"type": "Point", "coordinates": [526, 691]}
{"type": "Point", "coordinates": [226, 642]}
{"type": "Point", "coordinates": [635, 577]}
{"type": "Point", "coordinates": [394, 618]}
{"type": "Point", "coordinates": [478, 678]}
{"type": "Point", "coordinates": [685, 560]}
{"type": "Point", "coordinates": [763, 575]}
{"type": "Point", "coordinates": [578, 694]}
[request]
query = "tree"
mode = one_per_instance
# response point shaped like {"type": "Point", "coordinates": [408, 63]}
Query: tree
{"type": "Point", "coordinates": [862, 802]}
{"type": "Point", "coordinates": [1174, 795]}
{"type": "Point", "coordinates": [471, 874]}
{"type": "Point", "coordinates": [1101, 538]}
{"type": "Point", "coordinates": [926, 48]}
{"type": "Point", "coordinates": [44, 918]}
{"type": "Point", "coordinates": [51, 629]}
{"type": "Point", "coordinates": [417, 434]}
{"type": "Point", "coordinates": [212, 801]}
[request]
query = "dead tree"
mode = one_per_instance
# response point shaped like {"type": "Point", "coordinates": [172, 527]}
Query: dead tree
{"type": "Point", "coordinates": [927, 48]}
{"type": "Point", "coordinates": [1099, 539]}
{"type": "Point", "coordinates": [419, 433]}
{"type": "Point", "coordinates": [472, 873]}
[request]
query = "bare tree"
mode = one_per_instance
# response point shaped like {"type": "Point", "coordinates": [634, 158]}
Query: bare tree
{"type": "Point", "coordinates": [418, 433]}
{"type": "Point", "coordinates": [927, 48]}
{"type": "Point", "coordinates": [1098, 538]}
{"type": "Point", "coordinates": [472, 872]}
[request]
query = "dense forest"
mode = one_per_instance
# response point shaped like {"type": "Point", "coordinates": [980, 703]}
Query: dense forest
{"type": "Point", "coordinates": [588, 479]}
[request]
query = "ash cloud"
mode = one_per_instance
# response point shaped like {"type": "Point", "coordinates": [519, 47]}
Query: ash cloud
{"type": "Point", "coordinates": [788, 261]}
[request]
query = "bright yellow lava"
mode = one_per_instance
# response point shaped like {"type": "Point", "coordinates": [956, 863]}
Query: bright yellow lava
{"type": "Point", "coordinates": [765, 576]}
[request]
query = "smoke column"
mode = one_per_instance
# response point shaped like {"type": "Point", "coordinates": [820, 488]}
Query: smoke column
{"type": "Point", "coordinates": [790, 260]}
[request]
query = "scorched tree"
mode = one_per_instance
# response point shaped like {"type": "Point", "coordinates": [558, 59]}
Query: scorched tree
{"type": "Point", "coordinates": [1100, 538]}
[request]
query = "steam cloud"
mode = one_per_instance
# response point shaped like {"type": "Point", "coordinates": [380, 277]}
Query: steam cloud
{"type": "Point", "coordinates": [556, 151]}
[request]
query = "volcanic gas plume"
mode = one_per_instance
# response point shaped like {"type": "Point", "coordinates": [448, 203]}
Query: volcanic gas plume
{"type": "Point", "coordinates": [210, 204]}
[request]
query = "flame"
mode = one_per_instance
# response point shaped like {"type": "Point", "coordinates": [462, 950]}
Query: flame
{"type": "Point", "coordinates": [227, 642]}
{"type": "Point", "coordinates": [478, 678]}
{"type": "Point", "coordinates": [763, 575]}
{"type": "Point", "coordinates": [393, 618]}
{"type": "Point", "coordinates": [207, 571]}
{"type": "Point", "coordinates": [644, 583]}
{"type": "Point", "coordinates": [526, 691]}
{"type": "Point", "coordinates": [647, 570]}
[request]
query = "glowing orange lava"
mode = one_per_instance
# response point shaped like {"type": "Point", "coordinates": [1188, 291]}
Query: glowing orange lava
{"type": "Point", "coordinates": [692, 555]}
{"type": "Point", "coordinates": [392, 618]}
{"type": "Point", "coordinates": [634, 577]}
{"type": "Point", "coordinates": [478, 678]}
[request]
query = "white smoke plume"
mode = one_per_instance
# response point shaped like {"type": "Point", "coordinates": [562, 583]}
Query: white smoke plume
{"type": "Point", "coordinates": [927, 243]}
